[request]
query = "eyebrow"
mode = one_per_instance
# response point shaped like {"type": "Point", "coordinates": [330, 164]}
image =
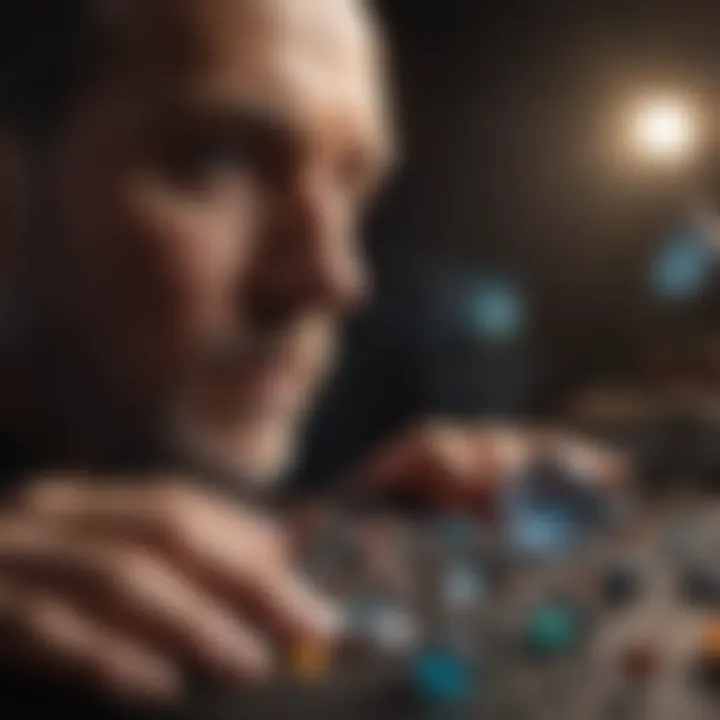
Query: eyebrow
{"type": "Point", "coordinates": [234, 114]}
{"type": "Point", "coordinates": [267, 123]}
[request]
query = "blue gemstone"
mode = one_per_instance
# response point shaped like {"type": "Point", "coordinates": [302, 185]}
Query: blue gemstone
{"type": "Point", "coordinates": [442, 675]}
{"type": "Point", "coordinates": [543, 531]}
{"type": "Point", "coordinates": [548, 515]}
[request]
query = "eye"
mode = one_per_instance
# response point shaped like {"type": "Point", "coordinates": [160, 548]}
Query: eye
{"type": "Point", "coordinates": [218, 158]}
{"type": "Point", "coordinates": [204, 162]}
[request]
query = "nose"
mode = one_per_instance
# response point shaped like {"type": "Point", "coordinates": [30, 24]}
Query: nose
{"type": "Point", "coordinates": [330, 260]}
{"type": "Point", "coordinates": [311, 255]}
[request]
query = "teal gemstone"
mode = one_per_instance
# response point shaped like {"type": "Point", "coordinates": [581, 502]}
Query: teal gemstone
{"type": "Point", "coordinates": [552, 630]}
{"type": "Point", "coordinates": [442, 675]}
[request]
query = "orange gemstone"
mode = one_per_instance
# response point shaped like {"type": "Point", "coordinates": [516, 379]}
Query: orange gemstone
{"type": "Point", "coordinates": [711, 641]}
{"type": "Point", "coordinates": [310, 659]}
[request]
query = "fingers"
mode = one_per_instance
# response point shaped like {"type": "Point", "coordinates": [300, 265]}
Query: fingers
{"type": "Point", "coordinates": [455, 467]}
{"type": "Point", "coordinates": [232, 553]}
{"type": "Point", "coordinates": [443, 466]}
{"type": "Point", "coordinates": [130, 588]}
{"type": "Point", "coordinates": [169, 513]}
{"type": "Point", "coordinates": [597, 464]}
{"type": "Point", "coordinates": [46, 635]}
{"type": "Point", "coordinates": [138, 594]}
{"type": "Point", "coordinates": [424, 451]}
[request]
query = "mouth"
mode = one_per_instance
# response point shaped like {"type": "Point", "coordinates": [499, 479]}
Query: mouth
{"type": "Point", "coordinates": [270, 376]}
{"type": "Point", "coordinates": [260, 383]}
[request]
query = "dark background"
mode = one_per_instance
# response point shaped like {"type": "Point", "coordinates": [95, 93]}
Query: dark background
{"type": "Point", "coordinates": [511, 113]}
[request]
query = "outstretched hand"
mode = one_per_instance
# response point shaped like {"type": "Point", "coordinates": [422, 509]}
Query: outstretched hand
{"type": "Point", "coordinates": [461, 467]}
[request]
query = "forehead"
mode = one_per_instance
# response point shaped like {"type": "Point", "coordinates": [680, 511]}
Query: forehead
{"type": "Point", "coordinates": [313, 63]}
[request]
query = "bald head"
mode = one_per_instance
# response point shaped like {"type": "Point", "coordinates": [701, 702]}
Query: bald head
{"type": "Point", "coordinates": [50, 53]}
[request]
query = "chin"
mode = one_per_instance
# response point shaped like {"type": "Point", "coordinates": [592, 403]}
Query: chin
{"type": "Point", "coordinates": [262, 457]}
{"type": "Point", "coordinates": [257, 454]}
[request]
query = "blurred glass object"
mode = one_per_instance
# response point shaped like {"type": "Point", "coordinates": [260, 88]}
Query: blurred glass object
{"type": "Point", "coordinates": [683, 267]}
{"type": "Point", "coordinates": [548, 512]}
{"type": "Point", "coordinates": [442, 676]}
{"type": "Point", "coordinates": [498, 311]}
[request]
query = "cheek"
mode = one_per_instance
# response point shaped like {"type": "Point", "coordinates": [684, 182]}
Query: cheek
{"type": "Point", "coordinates": [194, 255]}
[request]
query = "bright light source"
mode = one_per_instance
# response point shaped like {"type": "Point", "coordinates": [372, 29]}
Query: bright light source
{"type": "Point", "coordinates": [665, 129]}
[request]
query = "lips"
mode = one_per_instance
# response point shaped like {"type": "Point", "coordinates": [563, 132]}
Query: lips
{"type": "Point", "coordinates": [260, 383]}
{"type": "Point", "coordinates": [271, 376]}
{"type": "Point", "coordinates": [274, 375]}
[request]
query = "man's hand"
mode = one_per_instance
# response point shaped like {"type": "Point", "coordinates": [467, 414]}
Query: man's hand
{"type": "Point", "coordinates": [460, 467]}
{"type": "Point", "coordinates": [128, 588]}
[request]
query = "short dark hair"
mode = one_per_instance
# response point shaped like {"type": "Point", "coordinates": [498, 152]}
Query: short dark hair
{"type": "Point", "coordinates": [48, 49]}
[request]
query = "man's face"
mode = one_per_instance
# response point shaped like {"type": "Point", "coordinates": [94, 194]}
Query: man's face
{"type": "Point", "coordinates": [205, 200]}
